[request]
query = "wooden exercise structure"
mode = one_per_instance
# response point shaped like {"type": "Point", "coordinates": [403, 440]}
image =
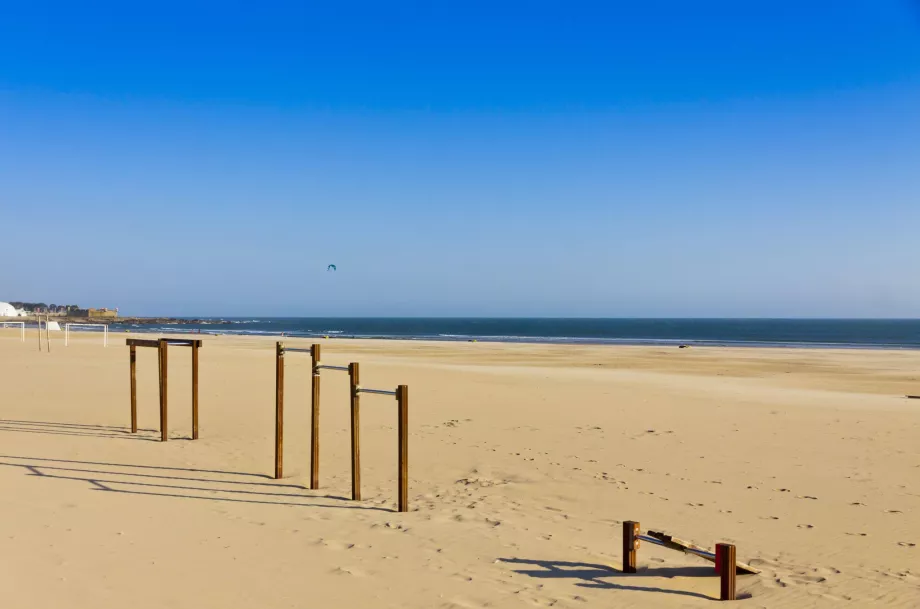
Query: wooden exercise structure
{"type": "Point", "coordinates": [724, 557]}
{"type": "Point", "coordinates": [316, 366]}
{"type": "Point", "coordinates": [401, 394]}
{"type": "Point", "coordinates": [162, 345]}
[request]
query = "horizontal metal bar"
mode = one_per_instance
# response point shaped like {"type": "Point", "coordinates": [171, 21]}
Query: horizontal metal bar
{"type": "Point", "coordinates": [181, 343]}
{"type": "Point", "coordinates": [377, 391]}
{"type": "Point", "coordinates": [297, 350]}
{"type": "Point", "coordinates": [340, 368]}
{"type": "Point", "coordinates": [658, 542]}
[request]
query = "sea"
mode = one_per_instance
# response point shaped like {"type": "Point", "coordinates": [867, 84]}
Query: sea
{"type": "Point", "coordinates": [811, 333]}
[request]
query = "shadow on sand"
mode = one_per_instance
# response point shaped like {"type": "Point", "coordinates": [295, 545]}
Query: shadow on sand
{"type": "Point", "coordinates": [73, 429]}
{"type": "Point", "coordinates": [598, 576]}
{"type": "Point", "coordinates": [163, 482]}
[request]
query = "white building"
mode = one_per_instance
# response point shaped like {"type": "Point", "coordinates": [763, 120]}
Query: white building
{"type": "Point", "coordinates": [8, 310]}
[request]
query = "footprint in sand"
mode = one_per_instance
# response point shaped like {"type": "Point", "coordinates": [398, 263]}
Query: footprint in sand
{"type": "Point", "coordinates": [331, 544]}
{"type": "Point", "coordinates": [892, 511]}
{"type": "Point", "coordinates": [805, 497]}
{"type": "Point", "coordinates": [907, 544]}
{"type": "Point", "coordinates": [348, 571]}
{"type": "Point", "coordinates": [802, 578]}
{"type": "Point", "coordinates": [806, 526]}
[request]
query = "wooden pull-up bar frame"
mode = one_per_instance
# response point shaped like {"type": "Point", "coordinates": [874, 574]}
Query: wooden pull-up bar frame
{"type": "Point", "coordinates": [162, 345]}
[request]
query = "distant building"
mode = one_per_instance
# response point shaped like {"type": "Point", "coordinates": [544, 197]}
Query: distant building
{"type": "Point", "coordinates": [8, 310]}
{"type": "Point", "coordinates": [102, 313]}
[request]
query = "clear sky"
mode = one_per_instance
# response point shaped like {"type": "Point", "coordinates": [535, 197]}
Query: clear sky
{"type": "Point", "coordinates": [655, 158]}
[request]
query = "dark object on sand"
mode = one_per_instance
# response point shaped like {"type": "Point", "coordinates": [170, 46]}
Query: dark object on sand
{"type": "Point", "coordinates": [914, 397]}
{"type": "Point", "coordinates": [683, 346]}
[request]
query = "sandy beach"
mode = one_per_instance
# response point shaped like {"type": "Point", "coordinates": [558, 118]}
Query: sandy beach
{"type": "Point", "coordinates": [524, 461]}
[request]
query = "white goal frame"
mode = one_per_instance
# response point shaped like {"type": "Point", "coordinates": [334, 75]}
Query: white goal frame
{"type": "Point", "coordinates": [22, 327]}
{"type": "Point", "coordinates": [105, 332]}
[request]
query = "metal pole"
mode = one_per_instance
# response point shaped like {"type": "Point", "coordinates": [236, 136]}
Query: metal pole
{"type": "Point", "coordinates": [402, 398]}
{"type": "Point", "coordinates": [279, 409]}
{"type": "Point", "coordinates": [354, 376]}
{"type": "Point", "coordinates": [314, 416]}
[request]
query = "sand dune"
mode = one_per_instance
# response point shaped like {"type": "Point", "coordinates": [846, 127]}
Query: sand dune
{"type": "Point", "coordinates": [524, 460]}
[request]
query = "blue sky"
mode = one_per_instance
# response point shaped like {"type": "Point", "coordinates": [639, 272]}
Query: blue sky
{"type": "Point", "coordinates": [477, 158]}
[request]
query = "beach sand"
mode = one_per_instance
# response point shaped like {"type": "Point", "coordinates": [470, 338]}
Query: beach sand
{"type": "Point", "coordinates": [524, 461]}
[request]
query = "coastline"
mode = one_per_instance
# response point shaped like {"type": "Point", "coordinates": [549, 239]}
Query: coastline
{"type": "Point", "coordinates": [700, 333]}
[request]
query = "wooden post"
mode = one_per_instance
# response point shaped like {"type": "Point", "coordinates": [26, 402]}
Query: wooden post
{"type": "Point", "coordinates": [195, 344]}
{"type": "Point", "coordinates": [725, 557]}
{"type": "Point", "coordinates": [630, 545]}
{"type": "Point", "coordinates": [402, 398]}
{"type": "Point", "coordinates": [38, 321]}
{"type": "Point", "coordinates": [314, 416]}
{"type": "Point", "coordinates": [133, 389]}
{"type": "Point", "coordinates": [164, 374]}
{"type": "Point", "coordinates": [354, 375]}
{"type": "Point", "coordinates": [48, 332]}
{"type": "Point", "coordinates": [279, 409]}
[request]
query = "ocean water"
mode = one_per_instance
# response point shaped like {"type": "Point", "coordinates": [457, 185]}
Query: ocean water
{"type": "Point", "coordinates": [828, 333]}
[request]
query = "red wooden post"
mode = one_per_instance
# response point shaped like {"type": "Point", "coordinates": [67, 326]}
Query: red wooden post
{"type": "Point", "coordinates": [630, 545]}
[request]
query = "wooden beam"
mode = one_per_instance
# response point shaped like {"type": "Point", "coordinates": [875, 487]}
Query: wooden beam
{"type": "Point", "coordinates": [133, 389]}
{"type": "Point", "coordinates": [402, 398]}
{"type": "Point", "coordinates": [195, 345]}
{"type": "Point", "coordinates": [630, 545]}
{"type": "Point", "coordinates": [725, 559]}
{"type": "Point", "coordinates": [164, 374]}
{"type": "Point", "coordinates": [279, 410]}
{"type": "Point", "coordinates": [354, 376]}
{"type": "Point", "coordinates": [142, 342]}
{"type": "Point", "coordinates": [314, 418]}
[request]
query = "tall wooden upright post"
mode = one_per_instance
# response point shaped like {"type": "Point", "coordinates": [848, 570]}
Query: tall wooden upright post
{"type": "Point", "coordinates": [630, 545]}
{"type": "Point", "coordinates": [38, 322]}
{"type": "Point", "coordinates": [133, 389]}
{"type": "Point", "coordinates": [279, 410]}
{"type": "Point", "coordinates": [164, 374]}
{"type": "Point", "coordinates": [353, 374]}
{"type": "Point", "coordinates": [725, 558]}
{"type": "Point", "coordinates": [314, 418]}
{"type": "Point", "coordinates": [402, 398]}
{"type": "Point", "coordinates": [48, 332]}
{"type": "Point", "coordinates": [195, 344]}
